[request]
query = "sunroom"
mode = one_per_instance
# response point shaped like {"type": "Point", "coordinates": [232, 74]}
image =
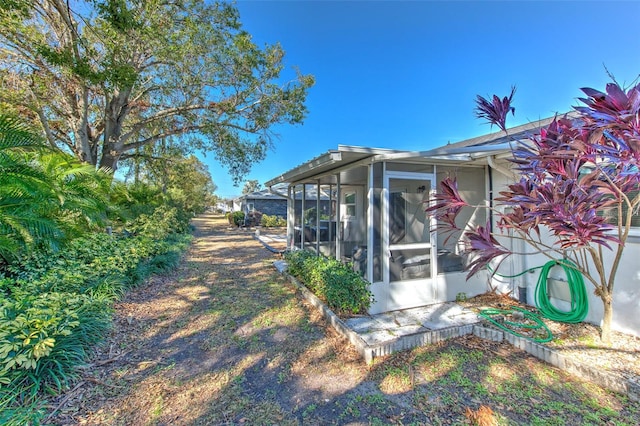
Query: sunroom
{"type": "Point", "coordinates": [366, 206]}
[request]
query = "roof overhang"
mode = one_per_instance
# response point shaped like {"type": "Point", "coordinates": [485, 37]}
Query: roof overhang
{"type": "Point", "coordinates": [329, 162]}
{"type": "Point", "coordinates": [471, 151]}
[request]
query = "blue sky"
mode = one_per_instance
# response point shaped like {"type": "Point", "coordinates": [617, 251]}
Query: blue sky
{"type": "Point", "coordinates": [405, 75]}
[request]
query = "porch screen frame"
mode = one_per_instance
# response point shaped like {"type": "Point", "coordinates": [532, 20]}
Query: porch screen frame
{"type": "Point", "coordinates": [386, 243]}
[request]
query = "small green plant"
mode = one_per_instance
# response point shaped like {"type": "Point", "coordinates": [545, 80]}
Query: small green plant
{"type": "Point", "coordinates": [272, 221]}
{"type": "Point", "coordinates": [461, 297]}
{"type": "Point", "coordinates": [236, 218]}
{"type": "Point", "coordinates": [344, 291]}
{"type": "Point", "coordinates": [309, 410]}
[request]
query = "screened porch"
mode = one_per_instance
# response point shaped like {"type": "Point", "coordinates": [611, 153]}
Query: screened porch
{"type": "Point", "coordinates": [366, 207]}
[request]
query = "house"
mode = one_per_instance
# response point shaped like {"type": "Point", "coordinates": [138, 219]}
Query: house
{"type": "Point", "coordinates": [374, 217]}
{"type": "Point", "coordinates": [224, 206]}
{"type": "Point", "coordinates": [272, 203]}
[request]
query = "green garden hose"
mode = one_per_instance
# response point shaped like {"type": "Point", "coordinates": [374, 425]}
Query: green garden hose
{"type": "Point", "coordinates": [512, 276]}
{"type": "Point", "coordinates": [530, 322]}
{"type": "Point", "coordinates": [579, 300]}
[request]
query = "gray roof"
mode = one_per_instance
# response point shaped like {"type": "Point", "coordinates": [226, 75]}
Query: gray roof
{"type": "Point", "coordinates": [470, 150]}
{"type": "Point", "coordinates": [265, 194]}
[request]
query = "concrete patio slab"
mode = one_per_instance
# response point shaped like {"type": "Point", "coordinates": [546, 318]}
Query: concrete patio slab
{"type": "Point", "coordinates": [389, 326]}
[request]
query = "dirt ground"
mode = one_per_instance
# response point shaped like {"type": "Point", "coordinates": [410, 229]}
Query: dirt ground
{"type": "Point", "coordinates": [226, 340]}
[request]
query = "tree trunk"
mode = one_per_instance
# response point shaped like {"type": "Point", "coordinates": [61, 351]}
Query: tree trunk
{"type": "Point", "coordinates": [115, 114]}
{"type": "Point", "coordinates": [605, 332]}
{"type": "Point", "coordinates": [109, 160]}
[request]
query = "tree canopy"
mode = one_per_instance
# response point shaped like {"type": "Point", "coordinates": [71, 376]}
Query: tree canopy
{"type": "Point", "coordinates": [251, 186]}
{"type": "Point", "coordinates": [106, 77]}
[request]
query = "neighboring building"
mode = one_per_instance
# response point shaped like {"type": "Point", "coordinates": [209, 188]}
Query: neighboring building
{"type": "Point", "coordinates": [265, 202]}
{"type": "Point", "coordinates": [224, 206]}
{"type": "Point", "coordinates": [373, 214]}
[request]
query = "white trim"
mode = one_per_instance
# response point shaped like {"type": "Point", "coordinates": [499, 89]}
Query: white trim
{"type": "Point", "coordinates": [410, 246]}
{"type": "Point", "coordinates": [387, 175]}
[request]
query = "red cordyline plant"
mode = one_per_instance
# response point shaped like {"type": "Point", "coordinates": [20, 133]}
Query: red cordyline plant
{"type": "Point", "coordinates": [579, 181]}
{"type": "Point", "coordinates": [496, 111]}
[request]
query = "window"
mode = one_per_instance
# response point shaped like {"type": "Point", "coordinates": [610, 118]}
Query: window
{"type": "Point", "coordinates": [612, 213]}
{"type": "Point", "coordinates": [350, 204]}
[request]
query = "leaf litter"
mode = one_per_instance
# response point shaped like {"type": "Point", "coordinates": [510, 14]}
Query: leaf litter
{"type": "Point", "coordinates": [225, 339]}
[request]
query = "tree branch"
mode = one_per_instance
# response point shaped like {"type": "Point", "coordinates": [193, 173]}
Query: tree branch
{"type": "Point", "coordinates": [151, 139]}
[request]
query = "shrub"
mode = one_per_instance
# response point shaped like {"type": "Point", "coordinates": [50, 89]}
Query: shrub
{"type": "Point", "coordinates": [272, 221]}
{"type": "Point", "coordinates": [55, 305]}
{"type": "Point", "coordinates": [254, 218]}
{"type": "Point", "coordinates": [46, 334]}
{"type": "Point", "coordinates": [237, 218]}
{"type": "Point", "coordinates": [296, 263]}
{"type": "Point", "coordinates": [158, 225]}
{"type": "Point", "coordinates": [341, 288]}
{"type": "Point", "coordinates": [96, 264]}
{"type": "Point", "coordinates": [43, 338]}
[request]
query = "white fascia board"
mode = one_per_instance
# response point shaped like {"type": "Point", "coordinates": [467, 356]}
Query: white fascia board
{"type": "Point", "coordinates": [474, 151]}
{"type": "Point", "coordinates": [327, 158]}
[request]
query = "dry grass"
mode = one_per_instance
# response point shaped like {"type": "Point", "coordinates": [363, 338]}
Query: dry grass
{"type": "Point", "coordinates": [225, 340]}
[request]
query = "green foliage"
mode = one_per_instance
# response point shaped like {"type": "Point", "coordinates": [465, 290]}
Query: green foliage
{"type": "Point", "coordinates": [22, 187]}
{"type": "Point", "coordinates": [55, 305]}
{"type": "Point", "coordinates": [272, 221]}
{"type": "Point", "coordinates": [29, 329]}
{"type": "Point", "coordinates": [64, 62]}
{"type": "Point", "coordinates": [46, 197]}
{"type": "Point", "coordinates": [251, 186]}
{"type": "Point", "coordinates": [178, 179]}
{"type": "Point", "coordinates": [344, 291]}
{"type": "Point", "coordinates": [130, 201]}
{"type": "Point", "coordinates": [99, 264]}
{"type": "Point", "coordinates": [158, 225]}
{"type": "Point", "coordinates": [78, 197]}
{"type": "Point", "coordinates": [237, 218]}
{"type": "Point", "coordinates": [58, 277]}
{"type": "Point", "coordinates": [43, 338]}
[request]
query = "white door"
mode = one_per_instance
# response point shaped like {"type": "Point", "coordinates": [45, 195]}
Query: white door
{"type": "Point", "coordinates": [410, 267]}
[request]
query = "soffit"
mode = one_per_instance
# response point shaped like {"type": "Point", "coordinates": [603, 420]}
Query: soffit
{"type": "Point", "coordinates": [323, 168]}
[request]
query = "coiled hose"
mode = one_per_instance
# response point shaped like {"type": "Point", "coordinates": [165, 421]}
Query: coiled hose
{"type": "Point", "coordinates": [579, 300]}
{"type": "Point", "coordinates": [529, 323]}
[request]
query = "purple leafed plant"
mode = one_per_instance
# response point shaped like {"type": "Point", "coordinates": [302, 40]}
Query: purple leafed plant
{"type": "Point", "coordinates": [496, 110]}
{"type": "Point", "coordinates": [579, 181]}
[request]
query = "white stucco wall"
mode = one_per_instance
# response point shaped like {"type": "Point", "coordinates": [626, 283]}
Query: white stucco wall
{"type": "Point", "coordinates": [411, 294]}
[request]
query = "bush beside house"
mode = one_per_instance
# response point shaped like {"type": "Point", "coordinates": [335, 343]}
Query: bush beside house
{"type": "Point", "coordinates": [272, 221]}
{"type": "Point", "coordinates": [336, 284]}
